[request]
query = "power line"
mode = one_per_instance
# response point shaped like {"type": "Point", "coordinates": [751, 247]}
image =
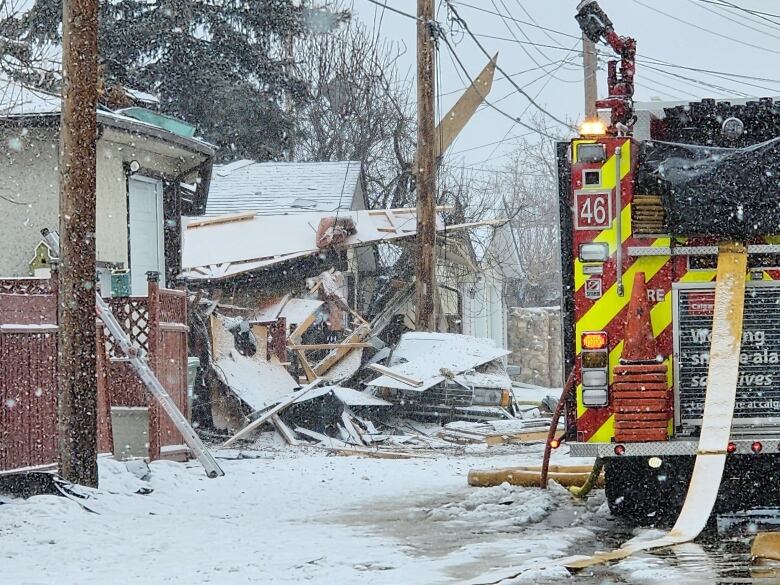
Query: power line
{"type": "Point", "coordinates": [465, 26]}
{"type": "Point", "coordinates": [501, 77]}
{"type": "Point", "coordinates": [645, 59]}
{"type": "Point", "coordinates": [758, 13]}
{"type": "Point", "coordinates": [485, 100]}
{"type": "Point", "coordinates": [730, 17]}
{"type": "Point", "coordinates": [701, 28]}
{"type": "Point", "coordinates": [487, 11]}
{"type": "Point", "coordinates": [391, 9]}
{"type": "Point", "coordinates": [505, 20]}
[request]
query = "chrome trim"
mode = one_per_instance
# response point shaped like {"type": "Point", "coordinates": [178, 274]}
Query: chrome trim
{"type": "Point", "coordinates": [672, 447]}
{"type": "Point", "coordinates": [618, 224]}
{"type": "Point", "coordinates": [637, 251]}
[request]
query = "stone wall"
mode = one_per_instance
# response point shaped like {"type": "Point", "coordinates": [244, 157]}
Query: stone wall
{"type": "Point", "coordinates": [535, 341]}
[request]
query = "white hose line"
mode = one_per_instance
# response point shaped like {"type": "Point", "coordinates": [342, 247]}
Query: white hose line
{"type": "Point", "coordinates": [718, 413]}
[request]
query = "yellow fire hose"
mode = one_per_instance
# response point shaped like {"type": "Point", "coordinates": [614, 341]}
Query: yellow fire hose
{"type": "Point", "coordinates": [570, 476]}
{"type": "Point", "coordinates": [595, 479]}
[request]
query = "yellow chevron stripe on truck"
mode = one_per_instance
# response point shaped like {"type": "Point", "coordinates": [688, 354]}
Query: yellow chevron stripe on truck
{"type": "Point", "coordinates": [719, 404]}
{"type": "Point", "coordinates": [608, 182]}
{"type": "Point", "coordinates": [661, 319]}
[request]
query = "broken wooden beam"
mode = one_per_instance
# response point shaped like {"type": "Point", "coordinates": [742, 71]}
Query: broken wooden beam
{"type": "Point", "coordinates": [275, 410]}
{"type": "Point", "coordinates": [395, 375]}
{"type": "Point", "coordinates": [315, 346]}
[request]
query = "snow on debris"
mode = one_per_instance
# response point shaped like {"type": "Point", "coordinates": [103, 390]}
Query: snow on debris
{"type": "Point", "coordinates": [256, 382]}
{"type": "Point", "coordinates": [275, 188]}
{"type": "Point", "coordinates": [454, 354]}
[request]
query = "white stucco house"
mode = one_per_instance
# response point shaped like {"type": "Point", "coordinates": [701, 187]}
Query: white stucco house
{"type": "Point", "coordinates": [150, 171]}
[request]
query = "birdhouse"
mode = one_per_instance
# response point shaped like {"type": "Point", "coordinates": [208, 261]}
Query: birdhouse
{"type": "Point", "coordinates": [41, 262]}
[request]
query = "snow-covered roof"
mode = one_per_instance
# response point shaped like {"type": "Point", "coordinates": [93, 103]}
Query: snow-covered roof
{"type": "Point", "coordinates": [274, 188]}
{"type": "Point", "coordinates": [20, 101]}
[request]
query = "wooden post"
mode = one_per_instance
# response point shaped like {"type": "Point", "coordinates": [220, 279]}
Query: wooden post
{"type": "Point", "coordinates": [77, 392]}
{"type": "Point", "coordinates": [589, 71]}
{"type": "Point", "coordinates": [155, 412]}
{"type": "Point", "coordinates": [425, 313]}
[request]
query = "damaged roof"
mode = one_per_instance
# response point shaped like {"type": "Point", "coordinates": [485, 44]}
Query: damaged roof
{"type": "Point", "coordinates": [280, 188]}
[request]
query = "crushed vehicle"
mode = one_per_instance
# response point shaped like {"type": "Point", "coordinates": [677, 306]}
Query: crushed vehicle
{"type": "Point", "coordinates": [447, 376]}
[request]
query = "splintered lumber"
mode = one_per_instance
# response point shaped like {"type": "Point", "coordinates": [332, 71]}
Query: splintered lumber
{"type": "Point", "coordinates": [221, 219]}
{"type": "Point", "coordinates": [303, 327]}
{"type": "Point", "coordinates": [286, 432]}
{"type": "Point", "coordinates": [275, 410]}
{"type": "Point", "coordinates": [351, 429]}
{"type": "Point", "coordinates": [573, 476]}
{"type": "Point", "coordinates": [528, 437]}
{"type": "Point", "coordinates": [335, 356]}
{"type": "Point", "coordinates": [315, 346]}
{"type": "Point", "coordinates": [310, 375]}
{"type": "Point", "coordinates": [365, 452]}
{"type": "Point", "coordinates": [395, 375]}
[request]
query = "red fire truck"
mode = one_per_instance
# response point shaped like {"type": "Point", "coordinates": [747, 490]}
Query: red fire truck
{"type": "Point", "coordinates": [645, 199]}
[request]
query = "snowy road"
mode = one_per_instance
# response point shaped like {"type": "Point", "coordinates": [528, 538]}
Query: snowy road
{"type": "Point", "coordinates": [303, 517]}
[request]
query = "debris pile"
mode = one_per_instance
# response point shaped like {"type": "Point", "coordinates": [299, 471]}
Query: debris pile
{"type": "Point", "coordinates": [306, 364]}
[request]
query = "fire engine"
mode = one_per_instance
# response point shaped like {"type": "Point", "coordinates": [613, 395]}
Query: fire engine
{"type": "Point", "coordinates": [645, 200]}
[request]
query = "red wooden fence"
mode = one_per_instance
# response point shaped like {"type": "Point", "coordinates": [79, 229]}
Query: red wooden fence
{"type": "Point", "coordinates": [28, 369]}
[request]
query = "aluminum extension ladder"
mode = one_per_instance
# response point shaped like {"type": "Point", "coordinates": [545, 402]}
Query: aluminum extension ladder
{"type": "Point", "coordinates": [138, 361]}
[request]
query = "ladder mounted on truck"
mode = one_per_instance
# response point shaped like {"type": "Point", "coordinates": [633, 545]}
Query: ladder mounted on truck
{"type": "Point", "coordinates": [138, 361]}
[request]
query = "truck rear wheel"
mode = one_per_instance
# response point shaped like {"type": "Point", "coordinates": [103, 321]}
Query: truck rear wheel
{"type": "Point", "coordinates": [644, 495]}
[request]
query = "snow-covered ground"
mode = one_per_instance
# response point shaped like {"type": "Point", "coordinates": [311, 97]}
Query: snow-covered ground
{"type": "Point", "coordinates": [286, 515]}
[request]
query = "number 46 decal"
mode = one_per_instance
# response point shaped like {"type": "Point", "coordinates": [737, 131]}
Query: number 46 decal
{"type": "Point", "coordinates": [593, 210]}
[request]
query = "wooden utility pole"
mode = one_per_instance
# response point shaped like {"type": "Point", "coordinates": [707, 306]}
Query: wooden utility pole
{"type": "Point", "coordinates": [589, 77]}
{"type": "Point", "coordinates": [77, 398]}
{"type": "Point", "coordinates": [425, 293]}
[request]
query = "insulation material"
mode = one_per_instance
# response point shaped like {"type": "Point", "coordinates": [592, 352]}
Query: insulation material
{"type": "Point", "coordinates": [257, 382]}
{"type": "Point", "coordinates": [225, 248]}
{"type": "Point", "coordinates": [348, 396]}
{"type": "Point", "coordinates": [334, 230]}
{"type": "Point", "coordinates": [334, 290]}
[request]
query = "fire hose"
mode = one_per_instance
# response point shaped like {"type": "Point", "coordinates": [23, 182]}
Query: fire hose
{"type": "Point", "coordinates": [568, 388]}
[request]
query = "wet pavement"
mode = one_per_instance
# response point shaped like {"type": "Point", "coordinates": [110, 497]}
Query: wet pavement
{"type": "Point", "coordinates": [479, 543]}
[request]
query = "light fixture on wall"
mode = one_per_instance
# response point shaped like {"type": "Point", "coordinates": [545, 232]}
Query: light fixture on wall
{"type": "Point", "coordinates": [134, 166]}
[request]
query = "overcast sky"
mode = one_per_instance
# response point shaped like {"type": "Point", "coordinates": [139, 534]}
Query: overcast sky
{"type": "Point", "coordinates": [753, 49]}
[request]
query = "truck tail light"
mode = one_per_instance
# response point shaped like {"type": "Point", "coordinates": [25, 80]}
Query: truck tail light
{"type": "Point", "coordinates": [595, 359]}
{"type": "Point", "coordinates": [756, 447]}
{"type": "Point", "coordinates": [594, 340]}
{"type": "Point", "coordinates": [595, 369]}
{"type": "Point", "coordinates": [731, 448]}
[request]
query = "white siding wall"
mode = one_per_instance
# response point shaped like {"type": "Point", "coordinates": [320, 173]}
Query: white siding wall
{"type": "Point", "coordinates": [484, 309]}
{"type": "Point", "coordinates": [30, 177]}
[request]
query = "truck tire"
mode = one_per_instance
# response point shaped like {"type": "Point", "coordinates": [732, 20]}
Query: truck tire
{"type": "Point", "coordinates": [643, 495]}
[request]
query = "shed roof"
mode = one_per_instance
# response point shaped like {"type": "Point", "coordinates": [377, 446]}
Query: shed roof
{"type": "Point", "coordinates": [279, 188]}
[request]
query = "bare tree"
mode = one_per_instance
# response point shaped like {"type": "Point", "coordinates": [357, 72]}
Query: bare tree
{"type": "Point", "coordinates": [526, 189]}
{"type": "Point", "coordinates": [359, 108]}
